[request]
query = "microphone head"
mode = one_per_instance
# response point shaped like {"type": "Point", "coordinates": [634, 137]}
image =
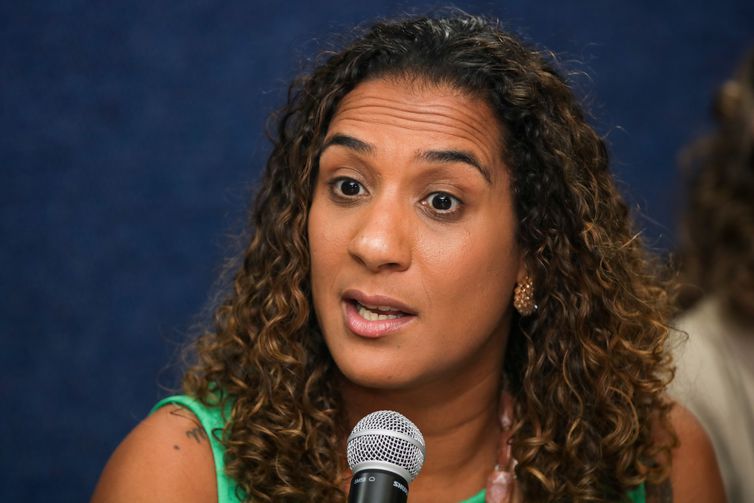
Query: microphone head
{"type": "Point", "coordinates": [386, 440]}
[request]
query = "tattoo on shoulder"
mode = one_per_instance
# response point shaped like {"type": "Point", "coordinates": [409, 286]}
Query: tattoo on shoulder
{"type": "Point", "coordinates": [180, 411]}
{"type": "Point", "coordinates": [197, 433]}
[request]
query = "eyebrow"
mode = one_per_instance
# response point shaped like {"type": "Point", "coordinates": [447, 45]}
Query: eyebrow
{"type": "Point", "coordinates": [349, 142]}
{"type": "Point", "coordinates": [438, 156]}
{"type": "Point", "coordinates": [453, 156]}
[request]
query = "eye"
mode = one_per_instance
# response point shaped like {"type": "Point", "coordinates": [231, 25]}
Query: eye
{"type": "Point", "coordinates": [346, 187]}
{"type": "Point", "coordinates": [442, 203]}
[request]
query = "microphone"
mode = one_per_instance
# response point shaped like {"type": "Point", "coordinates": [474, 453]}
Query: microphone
{"type": "Point", "coordinates": [385, 452]}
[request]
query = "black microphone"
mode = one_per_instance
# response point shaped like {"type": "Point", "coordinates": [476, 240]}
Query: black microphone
{"type": "Point", "coordinates": [385, 453]}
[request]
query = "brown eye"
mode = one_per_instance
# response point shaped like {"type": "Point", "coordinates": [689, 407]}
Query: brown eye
{"type": "Point", "coordinates": [442, 202]}
{"type": "Point", "coordinates": [443, 206]}
{"type": "Point", "coordinates": [348, 187]}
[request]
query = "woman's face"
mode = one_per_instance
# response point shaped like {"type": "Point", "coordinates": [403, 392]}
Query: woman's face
{"type": "Point", "coordinates": [412, 236]}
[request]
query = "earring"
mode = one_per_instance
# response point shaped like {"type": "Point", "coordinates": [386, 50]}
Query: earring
{"type": "Point", "coordinates": [523, 297]}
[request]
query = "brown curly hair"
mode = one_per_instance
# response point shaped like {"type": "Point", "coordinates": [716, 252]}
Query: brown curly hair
{"type": "Point", "coordinates": [587, 370]}
{"type": "Point", "coordinates": [718, 228]}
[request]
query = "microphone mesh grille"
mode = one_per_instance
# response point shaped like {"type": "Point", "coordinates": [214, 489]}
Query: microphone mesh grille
{"type": "Point", "coordinates": [379, 446]}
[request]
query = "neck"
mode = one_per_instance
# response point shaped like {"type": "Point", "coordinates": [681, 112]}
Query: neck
{"type": "Point", "coordinates": [459, 421]}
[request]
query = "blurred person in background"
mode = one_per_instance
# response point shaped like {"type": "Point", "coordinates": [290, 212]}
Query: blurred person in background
{"type": "Point", "coordinates": [715, 367]}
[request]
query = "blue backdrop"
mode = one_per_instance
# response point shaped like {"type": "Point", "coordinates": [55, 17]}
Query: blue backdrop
{"type": "Point", "coordinates": [130, 138]}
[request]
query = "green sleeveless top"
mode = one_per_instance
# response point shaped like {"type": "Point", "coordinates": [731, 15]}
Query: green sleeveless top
{"type": "Point", "coordinates": [213, 421]}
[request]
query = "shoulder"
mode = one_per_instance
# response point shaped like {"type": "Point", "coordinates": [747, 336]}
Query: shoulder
{"type": "Point", "coordinates": [694, 474]}
{"type": "Point", "coordinates": [166, 458]}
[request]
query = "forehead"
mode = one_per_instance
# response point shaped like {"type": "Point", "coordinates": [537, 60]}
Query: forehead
{"type": "Point", "coordinates": [434, 112]}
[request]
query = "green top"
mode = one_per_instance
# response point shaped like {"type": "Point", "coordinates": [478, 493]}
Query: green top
{"type": "Point", "coordinates": [213, 421]}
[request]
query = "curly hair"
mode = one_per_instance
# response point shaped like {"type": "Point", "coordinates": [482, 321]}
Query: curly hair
{"type": "Point", "coordinates": [587, 370]}
{"type": "Point", "coordinates": [718, 229]}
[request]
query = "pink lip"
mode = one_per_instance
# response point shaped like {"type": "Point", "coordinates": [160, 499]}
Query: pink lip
{"type": "Point", "coordinates": [378, 328]}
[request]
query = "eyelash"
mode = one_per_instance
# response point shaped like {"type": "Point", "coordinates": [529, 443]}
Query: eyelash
{"type": "Point", "coordinates": [335, 185]}
{"type": "Point", "coordinates": [443, 214]}
{"type": "Point", "coordinates": [335, 190]}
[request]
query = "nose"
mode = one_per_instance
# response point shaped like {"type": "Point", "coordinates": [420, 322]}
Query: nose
{"type": "Point", "coordinates": [383, 240]}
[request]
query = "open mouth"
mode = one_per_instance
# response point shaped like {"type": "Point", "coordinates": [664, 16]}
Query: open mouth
{"type": "Point", "coordinates": [375, 316]}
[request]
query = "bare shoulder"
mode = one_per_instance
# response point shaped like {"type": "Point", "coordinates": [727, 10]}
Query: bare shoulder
{"type": "Point", "coordinates": [695, 475]}
{"type": "Point", "coordinates": [166, 458]}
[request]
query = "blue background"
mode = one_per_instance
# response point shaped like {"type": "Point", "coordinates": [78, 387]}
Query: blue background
{"type": "Point", "coordinates": [131, 136]}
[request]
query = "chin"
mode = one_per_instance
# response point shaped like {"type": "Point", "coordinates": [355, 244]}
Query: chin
{"type": "Point", "coordinates": [388, 376]}
{"type": "Point", "coordinates": [371, 374]}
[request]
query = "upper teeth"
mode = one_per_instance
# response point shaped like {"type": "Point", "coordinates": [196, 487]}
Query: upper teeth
{"type": "Point", "coordinates": [378, 308]}
{"type": "Point", "coordinates": [372, 316]}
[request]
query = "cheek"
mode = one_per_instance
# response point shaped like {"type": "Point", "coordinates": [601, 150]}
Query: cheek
{"type": "Point", "coordinates": [473, 273]}
{"type": "Point", "coordinates": [327, 242]}
{"type": "Point", "coordinates": [476, 275]}
{"type": "Point", "coordinates": [482, 254]}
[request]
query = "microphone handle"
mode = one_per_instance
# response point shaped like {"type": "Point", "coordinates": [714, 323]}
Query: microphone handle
{"type": "Point", "coordinates": [377, 486]}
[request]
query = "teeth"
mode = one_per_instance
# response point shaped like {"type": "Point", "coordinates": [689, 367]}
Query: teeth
{"type": "Point", "coordinates": [379, 308]}
{"type": "Point", "coordinates": [372, 316]}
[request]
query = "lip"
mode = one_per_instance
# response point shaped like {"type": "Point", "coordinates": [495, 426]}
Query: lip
{"type": "Point", "coordinates": [377, 328]}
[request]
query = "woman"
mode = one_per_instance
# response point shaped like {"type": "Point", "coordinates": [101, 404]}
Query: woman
{"type": "Point", "coordinates": [424, 181]}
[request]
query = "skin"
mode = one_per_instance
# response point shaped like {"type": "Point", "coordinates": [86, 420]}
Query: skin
{"type": "Point", "coordinates": [161, 460]}
{"type": "Point", "coordinates": [374, 228]}
{"type": "Point", "coordinates": [442, 369]}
